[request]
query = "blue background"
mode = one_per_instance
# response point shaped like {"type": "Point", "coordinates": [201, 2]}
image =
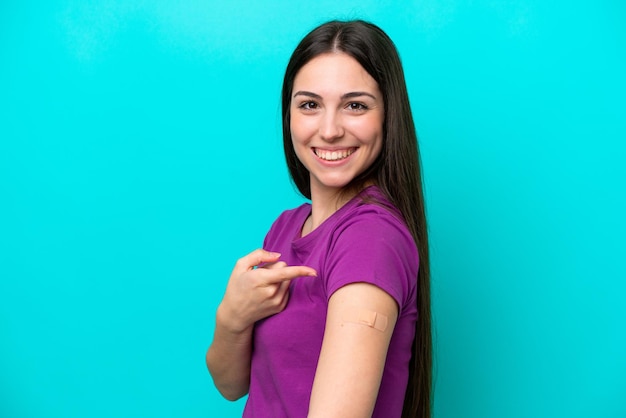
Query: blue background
{"type": "Point", "coordinates": [140, 156]}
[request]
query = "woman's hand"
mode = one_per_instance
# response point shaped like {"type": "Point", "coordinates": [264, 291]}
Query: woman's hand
{"type": "Point", "coordinates": [258, 287]}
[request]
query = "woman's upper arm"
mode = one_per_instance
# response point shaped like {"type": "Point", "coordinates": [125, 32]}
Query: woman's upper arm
{"type": "Point", "coordinates": [360, 321]}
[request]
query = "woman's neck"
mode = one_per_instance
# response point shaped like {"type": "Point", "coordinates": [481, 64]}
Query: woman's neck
{"type": "Point", "coordinates": [324, 203]}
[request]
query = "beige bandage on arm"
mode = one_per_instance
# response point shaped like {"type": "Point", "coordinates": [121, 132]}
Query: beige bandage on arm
{"type": "Point", "coordinates": [366, 317]}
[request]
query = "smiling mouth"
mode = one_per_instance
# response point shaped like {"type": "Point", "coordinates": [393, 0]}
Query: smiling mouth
{"type": "Point", "coordinates": [335, 155]}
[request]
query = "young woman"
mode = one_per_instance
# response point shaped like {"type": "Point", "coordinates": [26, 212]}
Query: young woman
{"type": "Point", "coordinates": [332, 317]}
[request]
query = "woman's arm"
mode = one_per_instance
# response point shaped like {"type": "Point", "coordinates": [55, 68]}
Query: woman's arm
{"type": "Point", "coordinates": [228, 358]}
{"type": "Point", "coordinates": [361, 318]}
{"type": "Point", "coordinates": [258, 287]}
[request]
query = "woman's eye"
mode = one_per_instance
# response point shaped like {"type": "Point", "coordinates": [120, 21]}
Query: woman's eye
{"type": "Point", "coordinates": [308, 105]}
{"type": "Point", "coordinates": [357, 106]}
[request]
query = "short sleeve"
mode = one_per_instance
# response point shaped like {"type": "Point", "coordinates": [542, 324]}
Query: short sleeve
{"type": "Point", "coordinates": [373, 246]}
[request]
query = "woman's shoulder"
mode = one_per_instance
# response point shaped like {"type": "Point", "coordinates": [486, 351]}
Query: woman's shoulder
{"type": "Point", "coordinates": [372, 243]}
{"type": "Point", "coordinates": [373, 220]}
{"type": "Point", "coordinates": [290, 215]}
{"type": "Point", "coordinates": [371, 206]}
{"type": "Point", "coordinates": [289, 221]}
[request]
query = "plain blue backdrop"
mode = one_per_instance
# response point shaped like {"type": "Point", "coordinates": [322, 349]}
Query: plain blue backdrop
{"type": "Point", "coordinates": [140, 156]}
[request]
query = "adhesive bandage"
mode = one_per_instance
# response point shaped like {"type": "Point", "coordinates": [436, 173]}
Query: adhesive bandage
{"type": "Point", "coordinates": [366, 317]}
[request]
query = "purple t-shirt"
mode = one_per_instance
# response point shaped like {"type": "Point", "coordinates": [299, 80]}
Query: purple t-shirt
{"type": "Point", "coordinates": [364, 241]}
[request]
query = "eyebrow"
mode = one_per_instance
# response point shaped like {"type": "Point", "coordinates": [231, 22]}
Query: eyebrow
{"type": "Point", "coordinates": [350, 95]}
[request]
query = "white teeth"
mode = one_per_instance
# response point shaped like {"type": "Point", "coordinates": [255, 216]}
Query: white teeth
{"type": "Point", "coordinates": [333, 155]}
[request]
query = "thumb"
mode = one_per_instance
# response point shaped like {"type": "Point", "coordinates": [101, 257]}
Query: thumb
{"type": "Point", "coordinates": [255, 258]}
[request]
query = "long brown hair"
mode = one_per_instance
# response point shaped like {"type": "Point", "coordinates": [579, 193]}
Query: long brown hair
{"type": "Point", "coordinates": [396, 171]}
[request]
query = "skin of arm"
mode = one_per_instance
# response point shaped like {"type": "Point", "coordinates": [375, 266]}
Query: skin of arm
{"type": "Point", "coordinates": [258, 287]}
{"type": "Point", "coordinates": [228, 358]}
{"type": "Point", "coordinates": [353, 355]}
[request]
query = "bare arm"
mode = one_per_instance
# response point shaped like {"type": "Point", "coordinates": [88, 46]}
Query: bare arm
{"type": "Point", "coordinates": [252, 294]}
{"type": "Point", "coordinates": [353, 353]}
{"type": "Point", "coordinates": [228, 358]}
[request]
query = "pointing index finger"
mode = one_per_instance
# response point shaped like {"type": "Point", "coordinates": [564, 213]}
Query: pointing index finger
{"type": "Point", "coordinates": [289, 273]}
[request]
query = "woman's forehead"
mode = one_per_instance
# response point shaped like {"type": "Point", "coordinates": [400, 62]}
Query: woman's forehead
{"type": "Point", "coordinates": [334, 73]}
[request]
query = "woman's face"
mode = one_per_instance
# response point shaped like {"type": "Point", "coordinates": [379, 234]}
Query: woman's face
{"type": "Point", "coordinates": [337, 115]}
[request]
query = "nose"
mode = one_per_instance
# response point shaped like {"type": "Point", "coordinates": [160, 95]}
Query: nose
{"type": "Point", "coordinates": [330, 127]}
